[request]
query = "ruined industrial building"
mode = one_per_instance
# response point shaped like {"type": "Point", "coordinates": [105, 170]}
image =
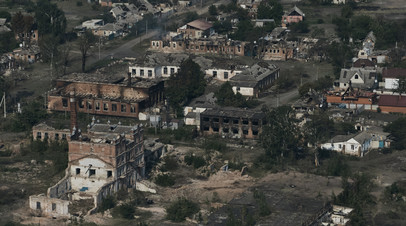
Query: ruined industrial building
{"type": "Point", "coordinates": [101, 162]}
{"type": "Point", "coordinates": [105, 94]}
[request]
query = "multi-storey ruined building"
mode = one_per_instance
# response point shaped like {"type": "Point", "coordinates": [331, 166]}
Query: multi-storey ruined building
{"type": "Point", "coordinates": [213, 45]}
{"type": "Point", "coordinates": [104, 94]}
{"type": "Point", "coordinates": [100, 163]}
{"type": "Point", "coordinates": [232, 122]}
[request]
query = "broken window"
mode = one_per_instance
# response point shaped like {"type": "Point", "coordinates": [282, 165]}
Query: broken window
{"type": "Point", "coordinates": [92, 172]}
{"type": "Point", "coordinates": [77, 171]}
{"type": "Point", "coordinates": [215, 119]}
{"type": "Point", "coordinates": [123, 108]}
{"type": "Point", "coordinates": [97, 106]}
{"type": "Point", "coordinates": [206, 128]}
{"type": "Point", "coordinates": [226, 120]}
{"type": "Point", "coordinates": [165, 70]}
{"type": "Point", "coordinates": [255, 132]}
{"type": "Point", "coordinates": [235, 121]}
{"type": "Point", "coordinates": [45, 135]}
{"type": "Point", "coordinates": [63, 136]}
{"type": "Point", "coordinates": [39, 135]}
{"type": "Point", "coordinates": [225, 75]}
{"type": "Point", "coordinates": [245, 122]}
{"type": "Point", "coordinates": [81, 104]}
{"type": "Point", "coordinates": [132, 109]}
{"type": "Point", "coordinates": [134, 71]}
{"type": "Point", "coordinates": [352, 147]}
{"type": "Point", "coordinates": [109, 173]}
{"type": "Point", "coordinates": [142, 72]}
{"type": "Point", "coordinates": [105, 106]}
{"type": "Point", "coordinates": [56, 136]}
{"type": "Point", "coordinates": [38, 205]}
{"type": "Point", "coordinates": [206, 119]}
{"type": "Point", "coordinates": [245, 132]}
{"type": "Point", "coordinates": [149, 73]}
{"type": "Point", "coordinates": [215, 129]}
{"type": "Point", "coordinates": [235, 131]}
{"type": "Point", "coordinates": [214, 74]}
{"type": "Point", "coordinates": [53, 206]}
{"type": "Point", "coordinates": [114, 107]}
{"type": "Point", "coordinates": [255, 123]}
{"type": "Point", "coordinates": [89, 105]}
{"type": "Point", "coordinates": [172, 71]}
{"type": "Point", "coordinates": [64, 102]}
{"type": "Point", "coordinates": [225, 130]}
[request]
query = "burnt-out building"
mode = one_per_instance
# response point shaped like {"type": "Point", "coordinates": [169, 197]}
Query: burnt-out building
{"type": "Point", "coordinates": [105, 94]}
{"type": "Point", "coordinates": [232, 122]}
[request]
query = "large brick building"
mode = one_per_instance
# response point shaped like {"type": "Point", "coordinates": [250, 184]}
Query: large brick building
{"type": "Point", "coordinates": [103, 94]}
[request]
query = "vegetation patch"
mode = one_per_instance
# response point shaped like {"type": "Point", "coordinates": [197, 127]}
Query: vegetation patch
{"type": "Point", "coordinates": [180, 209]}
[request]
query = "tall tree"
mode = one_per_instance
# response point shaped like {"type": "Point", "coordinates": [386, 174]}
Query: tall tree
{"type": "Point", "coordinates": [185, 85]}
{"type": "Point", "coordinates": [22, 25]}
{"type": "Point", "coordinates": [86, 40]}
{"type": "Point", "coordinates": [280, 137]}
{"type": "Point", "coordinates": [50, 19]}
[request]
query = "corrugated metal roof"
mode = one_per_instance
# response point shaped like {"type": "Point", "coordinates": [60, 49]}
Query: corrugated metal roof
{"type": "Point", "coordinates": [200, 24]}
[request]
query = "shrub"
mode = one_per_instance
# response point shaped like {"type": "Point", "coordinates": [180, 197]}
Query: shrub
{"type": "Point", "coordinates": [182, 208]}
{"type": "Point", "coordinates": [79, 3]}
{"type": "Point", "coordinates": [214, 144]}
{"type": "Point", "coordinates": [165, 180]}
{"type": "Point", "coordinates": [196, 161]}
{"type": "Point", "coordinates": [107, 203]}
{"type": "Point", "coordinates": [125, 211]}
{"type": "Point", "coordinates": [171, 164]}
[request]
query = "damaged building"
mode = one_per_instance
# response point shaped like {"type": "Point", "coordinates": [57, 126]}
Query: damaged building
{"type": "Point", "coordinates": [232, 122]}
{"type": "Point", "coordinates": [254, 80]}
{"type": "Point", "coordinates": [213, 45]}
{"type": "Point", "coordinates": [105, 94]}
{"type": "Point", "coordinates": [100, 163]}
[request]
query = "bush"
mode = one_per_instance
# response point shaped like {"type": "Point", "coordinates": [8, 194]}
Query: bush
{"type": "Point", "coordinates": [79, 3]}
{"type": "Point", "coordinates": [107, 203]}
{"type": "Point", "coordinates": [125, 211]}
{"type": "Point", "coordinates": [165, 180]}
{"type": "Point", "coordinates": [171, 164]}
{"type": "Point", "coordinates": [196, 161]}
{"type": "Point", "coordinates": [214, 144]}
{"type": "Point", "coordinates": [182, 208]}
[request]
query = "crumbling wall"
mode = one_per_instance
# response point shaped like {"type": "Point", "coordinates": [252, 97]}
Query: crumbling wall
{"type": "Point", "coordinates": [42, 205]}
{"type": "Point", "coordinates": [61, 188]}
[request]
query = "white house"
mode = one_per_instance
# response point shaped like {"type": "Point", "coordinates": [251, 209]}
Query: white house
{"type": "Point", "coordinates": [93, 24]}
{"type": "Point", "coordinates": [358, 78]}
{"type": "Point", "coordinates": [152, 72]}
{"type": "Point", "coordinates": [391, 77]}
{"type": "Point", "coordinates": [222, 74]}
{"type": "Point", "coordinates": [197, 106]}
{"type": "Point", "coordinates": [252, 81]}
{"type": "Point", "coordinates": [356, 145]}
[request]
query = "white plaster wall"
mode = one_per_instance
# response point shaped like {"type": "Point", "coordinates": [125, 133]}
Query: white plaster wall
{"type": "Point", "coordinates": [357, 81]}
{"type": "Point", "coordinates": [61, 206]}
{"type": "Point", "coordinates": [190, 121]}
{"type": "Point", "coordinates": [93, 182]}
{"type": "Point", "coordinates": [391, 83]}
{"type": "Point", "coordinates": [220, 73]}
{"type": "Point", "coordinates": [168, 74]}
{"type": "Point", "coordinates": [146, 69]}
{"type": "Point", "coordinates": [245, 91]}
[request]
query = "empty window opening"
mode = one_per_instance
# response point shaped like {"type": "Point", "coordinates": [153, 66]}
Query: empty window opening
{"type": "Point", "coordinates": [105, 106]}
{"type": "Point", "coordinates": [77, 171]}
{"type": "Point", "coordinates": [215, 119]}
{"type": "Point", "coordinates": [149, 73]}
{"type": "Point", "coordinates": [81, 104]}
{"type": "Point", "coordinates": [255, 132]}
{"type": "Point", "coordinates": [255, 123]}
{"type": "Point", "coordinates": [89, 105]}
{"type": "Point", "coordinates": [225, 75]}
{"type": "Point", "coordinates": [226, 130]}
{"type": "Point", "coordinates": [245, 122]}
{"type": "Point", "coordinates": [235, 121]}
{"type": "Point", "coordinates": [114, 107]}
{"type": "Point", "coordinates": [226, 120]}
{"type": "Point", "coordinates": [97, 106]}
{"type": "Point", "coordinates": [206, 119]}
{"type": "Point", "coordinates": [134, 71]}
{"type": "Point", "coordinates": [142, 72]}
{"type": "Point", "coordinates": [65, 102]}
{"type": "Point", "coordinates": [109, 173]}
{"type": "Point", "coordinates": [235, 131]}
{"type": "Point", "coordinates": [63, 136]}
{"type": "Point", "coordinates": [38, 205]}
{"type": "Point", "coordinates": [206, 128]}
{"type": "Point", "coordinates": [92, 172]}
{"type": "Point", "coordinates": [245, 132]}
{"type": "Point", "coordinates": [165, 70]}
{"type": "Point", "coordinates": [39, 135]}
{"type": "Point", "coordinates": [53, 206]}
{"type": "Point", "coordinates": [56, 136]}
{"type": "Point", "coordinates": [215, 129]}
{"type": "Point", "coordinates": [123, 108]}
{"type": "Point", "coordinates": [172, 71]}
{"type": "Point", "coordinates": [214, 74]}
{"type": "Point", "coordinates": [132, 109]}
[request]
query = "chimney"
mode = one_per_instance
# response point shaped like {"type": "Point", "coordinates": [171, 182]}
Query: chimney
{"type": "Point", "coordinates": [129, 79]}
{"type": "Point", "coordinates": [73, 113]}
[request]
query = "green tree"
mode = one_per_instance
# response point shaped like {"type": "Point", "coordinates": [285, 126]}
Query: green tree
{"type": "Point", "coordinates": [7, 42]}
{"type": "Point", "coordinates": [398, 130]}
{"type": "Point", "coordinates": [226, 97]}
{"type": "Point", "coordinates": [180, 209]}
{"type": "Point", "coordinates": [270, 9]}
{"type": "Point", "coordinates": [190, 16]}
{"type": "Point", "coordinates": [86, 40]}
{"type": "Point", "coordinates": [5, 14]}
{"type": "Point", "coordinates": [280, 137]}
{"type": "Point", "coordinates": [339, 55]}
{"type": "Point", "coordinates": [50, 19]}
{"type": "Point", "coordinates": [185, 85]}
{"type": "Point", "coordinates": [213, 10]}
{"type": "Point", "coordinates": [21, 24]}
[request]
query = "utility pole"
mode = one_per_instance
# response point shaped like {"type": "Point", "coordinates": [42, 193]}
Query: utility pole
{"type": "Point", "coordinates": [99, 45]}
{"type": "Point", "coordinates": [3, 100]}
{"type": "Point", "coordinates": [146, 27]}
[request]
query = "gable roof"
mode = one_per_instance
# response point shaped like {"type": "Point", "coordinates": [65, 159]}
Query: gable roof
{"type": "Point", "coordinates": [394, 73]}
{"type": "Point", "coordinates": [200, 24]}
{"type": "Point", "coordinates": [297, 10]}
{"type": "Point", "coordinates": [392, 100]}
{"type": "Point", "coordinates": [363, 63]}
{"type": "Point", "coordinates": [362, 137]}
{"type": "Point", "coordinates": [371, 36]}
{"type": "Point", "coordinates": [368, 76]}
{"type": "Point", "coordinates": [254, 74]}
